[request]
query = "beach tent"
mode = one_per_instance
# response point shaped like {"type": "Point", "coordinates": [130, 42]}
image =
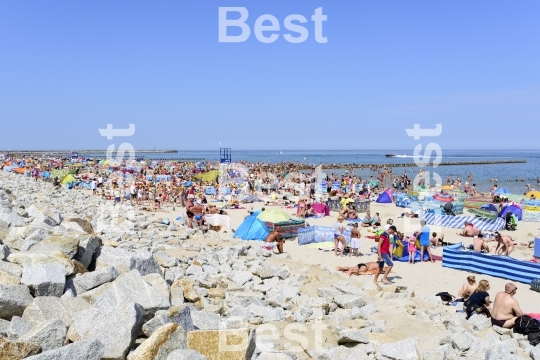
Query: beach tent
{"type": "Point", "coordinates": [384, 198]}
{"type": "Point", "coordinates": [68, 179]}
{"type": "Point", "coordinates": [274, 216]}
{"type": "Point", "coordinates": [516, 210]}
{"type": "Point", "coordinates": [252, 229]}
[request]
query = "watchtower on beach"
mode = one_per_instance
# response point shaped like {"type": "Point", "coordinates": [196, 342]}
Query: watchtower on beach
{"type": "Point", "coordinates": [225, 155]}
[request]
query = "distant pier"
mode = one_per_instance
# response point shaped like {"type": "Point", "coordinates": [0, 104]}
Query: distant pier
{"type": "Point", "coordinates": [68, 152]}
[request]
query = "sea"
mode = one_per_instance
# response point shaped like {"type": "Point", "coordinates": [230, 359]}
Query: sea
{"type": "Point", "coordinates": [484, 176]}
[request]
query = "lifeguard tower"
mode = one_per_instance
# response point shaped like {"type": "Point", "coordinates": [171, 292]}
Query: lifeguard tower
{"type": "Point", "coordinates": [225, 155]}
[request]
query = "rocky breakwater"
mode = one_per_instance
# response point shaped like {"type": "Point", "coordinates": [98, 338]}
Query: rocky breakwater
{"type": "Point", "coordinates": [84, 279]}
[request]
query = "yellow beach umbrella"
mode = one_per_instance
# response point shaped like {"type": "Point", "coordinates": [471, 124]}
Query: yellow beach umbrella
{"type": "Point", "coordinates": [446, 187]}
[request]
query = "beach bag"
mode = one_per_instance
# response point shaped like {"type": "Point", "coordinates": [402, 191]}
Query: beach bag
{"type": "Point", "coordinates": [526, 325]}
{"type": "Point", "coordinates": [479, 309]}
{"type": "Point", "coordinates": [445, 296]}
{"type": "Point", "coordinates": [535, 285]}
{"type": "Point", "coordinates": [534, 338]}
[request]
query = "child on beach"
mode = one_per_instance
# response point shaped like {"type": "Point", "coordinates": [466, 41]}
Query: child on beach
{"type": "Point", "coordinates": [412, 248]}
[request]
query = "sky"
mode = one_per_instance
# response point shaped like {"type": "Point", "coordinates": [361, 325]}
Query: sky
{"type": "Point", "coordinates": [69, 68]}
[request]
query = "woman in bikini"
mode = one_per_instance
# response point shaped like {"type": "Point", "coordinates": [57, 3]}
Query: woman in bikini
{"type": "Point", "coordinates": [360, 269]}
{"type": "Point", "coordinates": [468, 288]}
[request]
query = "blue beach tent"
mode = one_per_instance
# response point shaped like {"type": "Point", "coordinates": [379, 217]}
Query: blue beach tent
{"type": "Point", "coordinates": [252, 229]}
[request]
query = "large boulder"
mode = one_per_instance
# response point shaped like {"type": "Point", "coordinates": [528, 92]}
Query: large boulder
{"type": "Point", "coordinates": [16, 350]}
{"type": "Point", "coordinates": [178, 315]}
{"type": "Point", "coordinates": [45, 308]}
{"type": "Point", "coordinates": [81, 350]}
{"type": "Point", "coordinates": [125, 261]}
{"type": "Point", "coordinates": [114, 325]}
{"type": "Point", "coordinates": [68, 245]}
{"type": "Point", "coordinates": [26, 259]}
{"type": "Point", "coordinates": [131, 287]}
{"type": "Point", "coordinates": [185, 355]}
{"type": "Point", "coordinates": [87, 248]}
{"type": "Point", "coordinates": [223, 344]}
{"type": "Point", "coordinates": [45, 280]}
{"type": "Point", "coordinates": [163, 341]}
{"type": "Point", "coordinates": [90, 280]}
{"type": "Point", "coordinates": [402, 350]}
{"type": "Point", "coordinates": [49, 335]}
{"type": "Point", "coordinates": [13, 300]}
{"type": "Point", "coordinates": [10, 274]}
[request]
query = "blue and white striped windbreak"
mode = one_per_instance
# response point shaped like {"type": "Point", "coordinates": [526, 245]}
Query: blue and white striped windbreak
{"type": "Point", "coordinates": [457, 222]}
{"type": "Point", "coordinates": [499, 266]}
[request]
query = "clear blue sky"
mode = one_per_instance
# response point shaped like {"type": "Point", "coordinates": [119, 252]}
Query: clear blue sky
{"type": "Point", "coordinates": [68, 68]}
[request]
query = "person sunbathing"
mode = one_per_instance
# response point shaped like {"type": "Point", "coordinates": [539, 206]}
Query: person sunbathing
{"type": "Point", "coordinates": [360, 269]}
{"type": "Point", "coordinates": [480, 245]}
{"type": "Point", "coordinates": [469, 230]}
{"type": "Point", "coordinates": [273, 240]}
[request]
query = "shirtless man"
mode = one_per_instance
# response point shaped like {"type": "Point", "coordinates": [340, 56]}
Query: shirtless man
{"type": "Point", "coordinates": [505, 308]}
{"type": "Point", "coordinates": [360, 269]}
{"type": "Point", "coordinates": [273, 237]}
{"type": "Point", "coordinates": [506, 244]}
{"type": "Point", "coordinates": [470, 230]}
{"type": "Point", "coordinates": [198, 211]}
{"type": "Point", "coordinates": [479, 244]}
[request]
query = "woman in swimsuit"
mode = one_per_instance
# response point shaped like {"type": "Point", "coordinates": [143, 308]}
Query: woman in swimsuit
{"type": "Point", "coordinates": [360, 269]}
{"type": "Point", "coordinates": [468, 288]}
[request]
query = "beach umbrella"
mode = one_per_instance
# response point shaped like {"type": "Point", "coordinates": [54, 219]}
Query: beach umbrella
{"type": "Point", "coordinates": [534, 193]}
{"type": "Point", "coordinates": [446, 187]}
{"type": "Point", "coordinates": [501, 191]}
{"type": "Point", "coordinates": [443, 197]}
{"type": "Point", "coordinates": [273, 216]}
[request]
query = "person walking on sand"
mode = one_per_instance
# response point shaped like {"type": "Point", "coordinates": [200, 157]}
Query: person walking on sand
{"type": "Point", "coordinates": [383, 252]}
{"type": "Point", "coordinates": [339, 227]}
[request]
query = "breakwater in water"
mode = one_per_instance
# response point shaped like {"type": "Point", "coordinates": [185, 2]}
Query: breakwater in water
{"type": "Point", "coordinates": [444, 163]}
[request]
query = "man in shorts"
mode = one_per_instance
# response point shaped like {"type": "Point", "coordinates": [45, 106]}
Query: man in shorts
{"type": "Point", "coordinates": [355, 240]}
{"type": "Point", "coordinates": [383, 252]}
{"type": "Point", "coordinates": [273, 239]}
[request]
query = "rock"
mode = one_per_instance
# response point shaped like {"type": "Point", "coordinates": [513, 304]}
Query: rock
{"type": "Point", "coordinates": [185, 355]}
{"type": "Point", "coordinates": [91, 280]}
{"type": "Point", "coordinates": [81, 350]}
{"type": "Point", "coordinates": [502, 331]}
{"type": "Point", "coordinates": [438, 354]}
{"type": "Point", "coordinates": [302, 314]}
{"type": "Point", "coordinates": [352, 336]}
{"type": "Point", "coordinates": [179, 315]}
{"type": "Point", "coordinates": [158, 282]}
{"type": "Point", "coordinates": [363, 312]}
{"type": "Point", "coordinates": [131, 288]}
{"type": "Point", "coordinates": [115, 326]}
{"type": "Point", "coordinates": [46, 308]}
{"type": "Point", "coordinates": [45, 280]}
{"type": "Point", "coordinates": [10, 274]}
{"type": "Point", "coordinates": [268, 313]}
{"type": "Point", "coordinates": [17, 328]}
{"type": "Point", "coordinates": [273, 356]}
{"type": "Point", "coordinates": [349, 301]}
{"type": "Point", "coordinates": [68, 245]}
{"type": "Point", "coordinates": [162, 342]}
{"type": "Point", "coordinates": [461, 341]}
{"type": "Point", "coordinates": [16, 350]}
{"type": "Point", "coordinates": [493, 355]}
{"type": "Point", "coordinates": [49, 335]}
{"type": "Point", "coordinates": [4, 252]}
{"type": "Point", "coordinates": [26, 259]}
{"type": "Point", "coordinates": [187, 290]}
{"type": "Point", "coordinates": [205, 320]}
{"type": "Point", "coordinates": [480, 322]}
{"type": "Point", "coordinates": [223, 344]}
{"type": "Point", "coordinates": [13, 300]}
{"type": "Point", "coordinates": [125, 261]}
{"type": "Point", "coordinates": [535, 353]}
{"type": "Point", "coordinates": [87, 248]}
{"type": "Point", "coordinates": [401, 350]}
{"type": "Point", "coordinates": [4, 327]}
{"type": "Point", "coordinates": [241, 277]}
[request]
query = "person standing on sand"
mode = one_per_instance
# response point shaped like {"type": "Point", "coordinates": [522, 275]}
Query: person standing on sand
{"type": "Point", "coordinates": [339, 227]}
{"type": "Point", "coordinates": [355, 240]}
{"type": "Point", "coordinates": [505, 308]}
{"type": "Point", "coordinates": [383, 252]}
{"type": "Point", "coordinates": [424, 241]}
{"type": "Point", "coordinates": [506, 244]}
